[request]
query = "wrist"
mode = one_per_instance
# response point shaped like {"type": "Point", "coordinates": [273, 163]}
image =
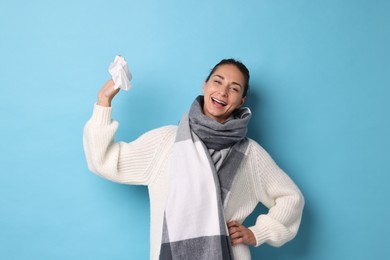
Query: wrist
{"type": "Point", "coordinates": [103, 103]}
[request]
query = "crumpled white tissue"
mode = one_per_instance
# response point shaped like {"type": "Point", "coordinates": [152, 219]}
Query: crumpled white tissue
{"type": "Point", "coordinates": [120, 73]}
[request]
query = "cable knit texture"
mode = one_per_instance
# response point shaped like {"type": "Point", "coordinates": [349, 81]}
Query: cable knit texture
{"type": "Point", "coordinates": [146, 161]}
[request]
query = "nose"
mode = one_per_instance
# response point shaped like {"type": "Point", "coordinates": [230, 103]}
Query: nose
{"type": "Point", "coordinates": [224, 90]}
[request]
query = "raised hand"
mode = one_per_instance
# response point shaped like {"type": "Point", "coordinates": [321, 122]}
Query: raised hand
{"type": "Point", "coordinates": [107, 93]}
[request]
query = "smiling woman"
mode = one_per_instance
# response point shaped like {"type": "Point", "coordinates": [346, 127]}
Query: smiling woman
{"type": "Point", "coordinates": [204, 176]}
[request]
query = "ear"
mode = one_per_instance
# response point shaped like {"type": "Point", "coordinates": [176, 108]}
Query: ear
{"type": "Point", "coordinates": [203, 87]}
{"type": "Point", "coordinates": [243, 100]}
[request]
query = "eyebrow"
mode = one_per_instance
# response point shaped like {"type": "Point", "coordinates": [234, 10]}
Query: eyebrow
{"type": "Point", "coordinates": [235, 83]}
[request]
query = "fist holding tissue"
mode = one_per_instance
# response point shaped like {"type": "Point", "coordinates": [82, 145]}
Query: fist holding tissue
{"type": "Point", "coordinates": [120, 79]}
{"type": "Point", "coordinates": [120, 73]}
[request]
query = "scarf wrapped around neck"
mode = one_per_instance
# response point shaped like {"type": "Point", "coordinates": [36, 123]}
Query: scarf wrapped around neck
{"type": "Point", "coordinates": [215, 135]}
{"type": "Point", "coordinates": [194, 224]}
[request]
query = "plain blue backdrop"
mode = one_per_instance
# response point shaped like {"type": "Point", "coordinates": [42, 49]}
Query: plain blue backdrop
{"type": "Point", "coordinates": [320, 90]}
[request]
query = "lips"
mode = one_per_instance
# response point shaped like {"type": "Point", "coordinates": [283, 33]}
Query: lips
{"type": "Point", "coordinates": [220, 102]}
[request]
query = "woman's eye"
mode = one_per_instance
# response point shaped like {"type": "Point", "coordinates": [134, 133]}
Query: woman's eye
{"type": "Point", "coordinates": [218, 82]}
{"type": "Point", "coordinates": [235, 89]}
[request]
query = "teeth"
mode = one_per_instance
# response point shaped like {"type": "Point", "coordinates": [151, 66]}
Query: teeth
{"type": "Point", "coordinates": [219, 101]}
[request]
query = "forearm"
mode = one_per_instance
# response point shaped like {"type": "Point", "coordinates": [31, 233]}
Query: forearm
{"type": "Point", "coordinates": [101, 151]}
{"type": "Point", "coordinates": [281, 223]}
{"type": "Point", "coordinates": [275, 189]}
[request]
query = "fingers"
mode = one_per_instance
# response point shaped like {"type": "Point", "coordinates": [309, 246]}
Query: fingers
{"type": "Point", "coordinates": [236, 236]}
{"type": "Point", "coordinates": [237, 241]}
{"type": "Point", "coordinates": [239, 234]}
{"type": "Point", "coordinates": [110, 82]}
{"type": "Point", "coordinates": [109, 90]}
{"type": "Point", "coordinates": [235, 232]}
{"type": "Point", "coordinates": [233, 223]}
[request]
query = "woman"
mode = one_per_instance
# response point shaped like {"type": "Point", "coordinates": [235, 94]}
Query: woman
{"type": "Point", "coordinates": [204, 176]}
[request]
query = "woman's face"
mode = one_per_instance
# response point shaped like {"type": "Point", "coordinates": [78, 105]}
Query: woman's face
{"type": "Point", "coordinates": [223, 92]}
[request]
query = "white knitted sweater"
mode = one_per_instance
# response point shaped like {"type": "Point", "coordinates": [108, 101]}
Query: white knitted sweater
{"type": "Point", "coordinates": [146, 161]}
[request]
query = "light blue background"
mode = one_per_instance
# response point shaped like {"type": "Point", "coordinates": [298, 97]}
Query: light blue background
{"type": "Point", "coordinates": [320, 90]}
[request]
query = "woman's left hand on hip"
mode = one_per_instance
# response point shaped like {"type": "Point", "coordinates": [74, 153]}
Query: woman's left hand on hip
{"type": "Point", "coordinates": [240, 234]}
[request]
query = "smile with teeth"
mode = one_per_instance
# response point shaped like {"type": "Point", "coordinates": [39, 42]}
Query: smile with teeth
{"type": "Point", "coordinates": [219, 101]}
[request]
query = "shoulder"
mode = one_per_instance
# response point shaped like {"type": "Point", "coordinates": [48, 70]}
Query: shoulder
{"type": "Point", "coordinates": [258, 156]}
{"type": "Point", "coordinates": [255, 147]}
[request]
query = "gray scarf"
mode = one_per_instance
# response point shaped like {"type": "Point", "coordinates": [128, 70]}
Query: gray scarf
{"type": "Point", "coordinates": [194, 224]}
{"type": "Point", "coordinates": [215, 135]}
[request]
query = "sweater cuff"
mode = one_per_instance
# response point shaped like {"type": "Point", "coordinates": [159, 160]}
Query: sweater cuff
{"type": "Point", "coordinates": [101, 115]}
{"type": "Point", "coordinates": [261, 234]}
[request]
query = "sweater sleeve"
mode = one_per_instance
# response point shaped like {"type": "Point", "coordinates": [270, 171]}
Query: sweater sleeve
{"type": "Point", "coordinates": [136, 162]}
{"type": "Point", "coordinates": [280, 195]}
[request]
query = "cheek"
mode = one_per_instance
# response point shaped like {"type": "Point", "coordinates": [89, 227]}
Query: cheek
{"type": "Point", "coordinates": [208, 91]}
{"type": "Point", "coordinates": [237, 102]}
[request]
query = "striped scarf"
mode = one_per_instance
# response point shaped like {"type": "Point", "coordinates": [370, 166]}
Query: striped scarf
{"type": "Point", "coordinates": [194, 224]}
